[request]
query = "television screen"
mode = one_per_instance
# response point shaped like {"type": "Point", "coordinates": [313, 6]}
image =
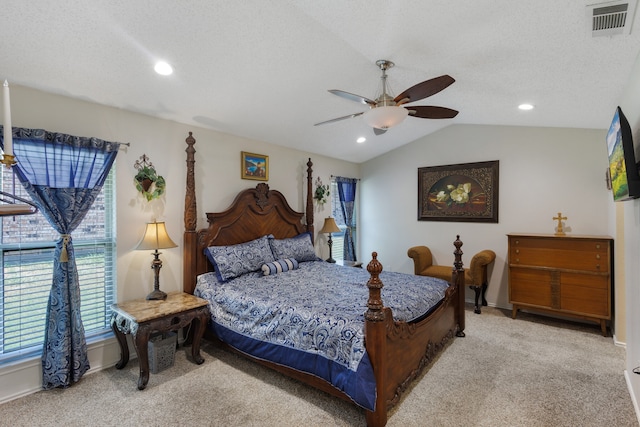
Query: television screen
{"type": "Point", "coordinates": [625, 180]}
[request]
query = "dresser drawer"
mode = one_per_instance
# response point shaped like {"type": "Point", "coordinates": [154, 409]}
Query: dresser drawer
{"type": "Point", "coordinates": [530, 286]}
{"type": "Point", "coordinates": [585, 294]}
{"type": "Point", "coordinates": [589, 255]}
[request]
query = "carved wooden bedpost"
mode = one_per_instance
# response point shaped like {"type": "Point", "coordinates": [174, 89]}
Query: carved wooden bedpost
{"type": "Point", "coordinates": [309, 209]}
{"type": "Point", "coordinates": [458, 279]}
{"type": "Point", "coordinates": [190, 220]}
{"type": "Point", "coordinates": [374, 311]}
{"type": "Point", "coordinates": [376, 336]}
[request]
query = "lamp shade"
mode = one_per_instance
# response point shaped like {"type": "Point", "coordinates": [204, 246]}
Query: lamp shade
{"type": "Point", "coordinates": [156, 237]}
{"type": "Point", "coordinates": [330, 226]}
{"type": "Point", "coordinates": [385, 117]}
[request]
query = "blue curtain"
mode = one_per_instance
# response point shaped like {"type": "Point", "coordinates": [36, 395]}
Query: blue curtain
{"type": "Point", "coordinates": [63, 174]}
{"type": "Point", "coordinates": [347, 195]}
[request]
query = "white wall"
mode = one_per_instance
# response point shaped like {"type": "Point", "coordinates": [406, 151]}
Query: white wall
{"type": "Point", "coordinates": [543, 171]}
{"type": "Point", "coordinates": [217, 182]}
{"type": "Point", "coordinates": [630, 234]}
{"type": "Point", "coordinates": [217, 175]}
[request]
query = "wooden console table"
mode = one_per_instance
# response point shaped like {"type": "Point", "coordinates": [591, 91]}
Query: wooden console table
{"type": "Point", "coordinates": [141, 317]}
{"type": "Point", "coordinates": [564, 275]}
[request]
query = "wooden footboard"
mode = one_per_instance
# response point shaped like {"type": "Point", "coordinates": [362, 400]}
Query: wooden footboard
{"type": "Point", "coordinates": [398, 351]}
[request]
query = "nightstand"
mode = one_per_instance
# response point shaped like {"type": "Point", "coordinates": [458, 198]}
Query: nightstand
{"type": "Point", "coordinates": [346, 263]}
{"type": "Point", "coordinates": [142, 317]}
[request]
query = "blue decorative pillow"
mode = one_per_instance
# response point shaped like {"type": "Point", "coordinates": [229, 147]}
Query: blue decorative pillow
{"type": "Point", "coordinates": [236, 260]}
{"type": "Point", "coordinates": [279, 266]}
{"type": "Point", "coordinates": [299, 248]}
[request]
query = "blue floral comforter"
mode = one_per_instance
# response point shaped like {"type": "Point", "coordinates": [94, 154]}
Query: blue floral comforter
{"type": "Point", "coordinates": [312, 319]}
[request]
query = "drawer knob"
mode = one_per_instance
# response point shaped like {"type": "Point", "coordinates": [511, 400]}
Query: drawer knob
{"type": "Point", "coordinates": [517, 259]}
{"type": "Point", "coordinates": [517, 242]}
{"type": "Point", "coordinates": [598, 246]}
{"type": "Point", "coordinates": [597, 256]}
{"type": "Point", "coordinates": [517, 251]}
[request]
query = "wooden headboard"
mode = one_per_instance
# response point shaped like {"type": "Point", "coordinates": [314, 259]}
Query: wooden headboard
{"type": "Point", "coordinates": [254, 213]}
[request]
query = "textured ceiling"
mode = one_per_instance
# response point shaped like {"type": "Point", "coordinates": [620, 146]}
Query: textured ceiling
{"type": "Point", "coordinates": [261, 69]}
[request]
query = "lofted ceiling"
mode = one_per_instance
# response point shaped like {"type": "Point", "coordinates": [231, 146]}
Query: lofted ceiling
{"type": "Point", "coordinates": [261, 69]}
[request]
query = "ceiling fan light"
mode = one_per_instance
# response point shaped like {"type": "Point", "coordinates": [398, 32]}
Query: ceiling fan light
{"type": "Point", "coordinates": [385, 117]}
{"type": "Point", "coordinates": [163, 68]}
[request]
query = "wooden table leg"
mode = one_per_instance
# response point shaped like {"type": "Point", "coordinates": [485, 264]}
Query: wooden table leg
{"type": "Point", "coordinates": [141, 340]}
{"type": "Point", "coordinates": [124, 348]}
{"type": "Point", "coordinates": [199, 323]}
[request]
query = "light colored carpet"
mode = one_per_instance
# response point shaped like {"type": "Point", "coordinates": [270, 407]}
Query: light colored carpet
{"type": "Point", "coordinates": [532, 371]}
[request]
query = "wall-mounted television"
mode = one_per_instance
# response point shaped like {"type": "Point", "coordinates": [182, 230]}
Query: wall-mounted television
{"type": "Point", "coordinates": [623, 171]}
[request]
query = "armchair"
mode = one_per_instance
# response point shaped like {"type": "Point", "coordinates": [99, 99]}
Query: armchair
{"type": "Point", "coordinates": [475, 276]}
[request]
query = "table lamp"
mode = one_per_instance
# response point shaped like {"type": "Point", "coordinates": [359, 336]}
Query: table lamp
{"type": "Point", "coordinates": [156, 237]}
{"type": "Point", "coordinates": [329, 227]}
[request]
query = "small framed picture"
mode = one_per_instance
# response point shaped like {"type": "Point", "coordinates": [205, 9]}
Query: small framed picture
{"type": "Point", "coordinates": [255, 166]}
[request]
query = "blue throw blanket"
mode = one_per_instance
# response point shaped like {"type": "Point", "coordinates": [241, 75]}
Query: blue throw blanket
{"type": "Point", "coordinates": [312, 319]}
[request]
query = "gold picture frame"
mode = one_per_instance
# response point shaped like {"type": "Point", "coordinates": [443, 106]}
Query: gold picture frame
{"type": "Point", "coordinates": [254, 166]}
{"type": "Point", "coordinates": [464, 192]}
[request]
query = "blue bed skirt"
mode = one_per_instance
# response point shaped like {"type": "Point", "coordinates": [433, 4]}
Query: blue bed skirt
{"type": "Point", "coordinates": [359, 385]}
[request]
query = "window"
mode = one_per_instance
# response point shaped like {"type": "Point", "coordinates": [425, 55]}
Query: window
{"type": "Point", "coordinates": [337, 248]}
{"type": "Point", "coordinates": [26, 258]}
{"type": "Point", "coordinates": [339, 210]}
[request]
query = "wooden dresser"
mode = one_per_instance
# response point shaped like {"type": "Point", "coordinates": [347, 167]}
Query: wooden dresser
{"type": "Point", "coordinates": [564, 275]}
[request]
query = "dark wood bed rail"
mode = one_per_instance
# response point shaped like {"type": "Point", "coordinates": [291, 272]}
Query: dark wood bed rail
{"type": "Point", "coordinates": [398, 350]}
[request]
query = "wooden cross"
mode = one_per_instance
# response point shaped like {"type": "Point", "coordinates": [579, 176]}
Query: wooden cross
{"type": "Point", "coordinates": [559, 218]}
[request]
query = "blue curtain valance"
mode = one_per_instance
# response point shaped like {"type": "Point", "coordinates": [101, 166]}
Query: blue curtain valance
{"type": "Point", "coordinates": [58, 160]}
{"type": "Point", "coordinates": [61, 138]}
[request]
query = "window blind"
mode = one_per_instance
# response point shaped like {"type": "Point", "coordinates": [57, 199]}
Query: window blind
{"type": "Point", "coordinates": [26, 259]}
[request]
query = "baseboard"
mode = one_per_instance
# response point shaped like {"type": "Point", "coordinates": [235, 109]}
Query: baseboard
{"type": "Point", "coordinates": [619, 343]}
{"type": "Point", "coordinates": [25, 377]}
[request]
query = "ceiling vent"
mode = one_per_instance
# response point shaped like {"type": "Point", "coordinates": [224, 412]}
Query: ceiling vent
{"type": "Point", "coordinates": [611, 18]}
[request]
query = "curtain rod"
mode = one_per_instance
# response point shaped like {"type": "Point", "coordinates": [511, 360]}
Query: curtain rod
{"type": "Point", "coordinates": [335, 176]}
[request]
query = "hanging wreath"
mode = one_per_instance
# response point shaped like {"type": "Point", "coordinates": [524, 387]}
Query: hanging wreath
{"type": "Point", "coordinates": [147, 180]}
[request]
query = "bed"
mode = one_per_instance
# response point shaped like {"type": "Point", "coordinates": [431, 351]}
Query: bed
{"type": "Point", "coordinates": [374, 354]}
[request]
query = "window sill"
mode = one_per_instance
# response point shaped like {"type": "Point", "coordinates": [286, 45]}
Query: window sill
{"type": "Point", "coordinates": [24, 376]}
{"type": "Point", "coordinates": [35, 353]}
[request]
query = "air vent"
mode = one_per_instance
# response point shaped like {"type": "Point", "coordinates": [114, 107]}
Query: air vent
{"type": "Point", "coordinates": [611, 18]}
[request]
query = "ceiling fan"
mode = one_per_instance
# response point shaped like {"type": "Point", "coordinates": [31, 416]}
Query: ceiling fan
{"type": "Point", "coordinates": [386, 112]}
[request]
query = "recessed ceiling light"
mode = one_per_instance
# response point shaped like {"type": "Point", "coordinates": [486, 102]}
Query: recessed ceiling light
{"type": "Point", "coordinates": [361, 140]}
{"type": "Point", "coordinates": [525, 107]}
{"type": "Point", "coordinates": [163, 68]}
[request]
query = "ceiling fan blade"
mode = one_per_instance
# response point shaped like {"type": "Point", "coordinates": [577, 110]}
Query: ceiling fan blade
{"type": "Point", "coordinates": [424, 89]}
{"type": "Point", "coordinates": [379, 131]}
{"type": "Point", "coordinates": [431, 112]}
{"type": "Point", "coordinates": [353, 97]}
{"type": "Point", "coordinates": [337, 119]}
